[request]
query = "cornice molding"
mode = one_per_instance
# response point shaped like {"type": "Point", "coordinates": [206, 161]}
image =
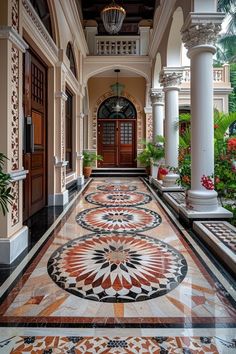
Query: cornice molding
{"type": "Point", "coordinates": [62, 95]}
{"type": "Point", "coordinates": [31, 14]}
{"type": "Point", "coordinates": [7, 32]}
{"type": "Point", "coordinates": [18, 175]}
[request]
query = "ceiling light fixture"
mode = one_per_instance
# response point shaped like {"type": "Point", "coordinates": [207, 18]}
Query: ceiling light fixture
{"type": "Point", "coordinates": [113, 16]}
{"type": "Point", "coordinates": [117, 108]}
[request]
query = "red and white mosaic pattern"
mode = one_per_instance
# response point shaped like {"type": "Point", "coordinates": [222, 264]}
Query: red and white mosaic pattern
{"type": "Point", "coordinates": [118, 219]}
{"type": "Point", "coordinates": [118, 198]}
{"type": "Point", "coordinates": [117, 345]}
{"type": "Point", "coordinates": [117, 268]}
{"type": "Point", "coordinates": [115, 187]}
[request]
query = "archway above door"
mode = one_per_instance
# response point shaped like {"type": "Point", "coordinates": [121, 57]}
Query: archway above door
{"type": "Point", "coordinates": [139, 119]}
{"type": "Point", "coordinates": [116, 132]}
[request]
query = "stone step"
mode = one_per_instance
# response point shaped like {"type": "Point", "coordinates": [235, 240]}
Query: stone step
{"type": "Point", "coordinates": [119, 172]}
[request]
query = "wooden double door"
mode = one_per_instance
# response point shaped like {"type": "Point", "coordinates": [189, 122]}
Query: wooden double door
{"type": "Point", "coordinates": [35, 123]}
{"type": "Point", "coordinates": [117, 142]}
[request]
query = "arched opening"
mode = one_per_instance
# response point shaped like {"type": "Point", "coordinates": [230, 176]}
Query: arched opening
{"type": "Point", "coordinates": [71, 57]}
{"type": "Point", "coordinates": [116, 122]}
{"type": "Point", "coordinates": [174, 45]}
{"type": "Point", "coordinates": [156, 73]}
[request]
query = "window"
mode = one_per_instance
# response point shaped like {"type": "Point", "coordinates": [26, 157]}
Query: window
{"type": "Point", "coordinates": [69, 129]}
{"type": "Point", "coordinates": [108, 109]}
{"type": "Point", "coordinates": [70, 56]}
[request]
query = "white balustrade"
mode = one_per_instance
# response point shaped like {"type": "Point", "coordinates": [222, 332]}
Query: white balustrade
{"type": "Point", "coordinates": [218, 75]}
{"type": "Point", "coordinates": [120, 45]}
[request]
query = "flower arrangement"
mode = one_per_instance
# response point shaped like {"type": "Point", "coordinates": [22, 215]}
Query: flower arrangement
{"type": "Point", "coordinates": [207, 183]}
{"type": "Point", "coordinates": [162, 172]}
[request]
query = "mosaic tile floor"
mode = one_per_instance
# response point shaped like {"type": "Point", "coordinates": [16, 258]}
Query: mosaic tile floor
{"type": "Point", "coordinates": [118, 345]}
{"type": "Point", "coordinates": [224, 233]}
{"type": "Point", "coordinates": [133, 269]}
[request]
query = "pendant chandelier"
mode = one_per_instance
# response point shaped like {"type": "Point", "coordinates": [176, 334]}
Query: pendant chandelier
{"type": "Point", "coordinates": [118, 88]}
{"type": "Point", "coordinates": [113, 16]}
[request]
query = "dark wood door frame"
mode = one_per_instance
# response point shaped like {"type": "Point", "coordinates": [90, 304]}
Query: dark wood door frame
{"type": "Point", "coordinates": [114, 154]}
{"type": "Point", "coordinates": [35, 133]}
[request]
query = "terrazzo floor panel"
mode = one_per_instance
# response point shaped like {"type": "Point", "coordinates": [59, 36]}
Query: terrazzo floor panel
{"type": "Point", "coordinates": [118, 261]}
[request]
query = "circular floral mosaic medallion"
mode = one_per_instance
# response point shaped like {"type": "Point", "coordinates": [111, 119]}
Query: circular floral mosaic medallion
{"type": "Point", "coordinates": [115, 187]}
{"type": "Point", "coordinates": [118, 219]}
{"type": "Point", "coordinates": [117, 267]}
{"type": "Point", "coordinates": [118, 198]}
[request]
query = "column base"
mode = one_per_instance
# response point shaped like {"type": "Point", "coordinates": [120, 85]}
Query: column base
{"type": "Point", "coordinates": [218, 213]}
{"type": "Point", "coordinates": [80, 180]}
{"type": "Point", "coordinates": [12, 247]}
{"type": "Point", "coordinates": [170, 180]}
{"type": "Point", "coordinates": [202, 200]}
{"type": "Point", "coordinates": [159, 184]}
{"type": "Point", "coordinates": [58, 198]}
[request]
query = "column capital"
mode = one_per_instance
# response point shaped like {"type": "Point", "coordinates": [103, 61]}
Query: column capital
{"type": "Point", "coordinates": [170, 78]}
{"type": "Point", "coordinates": [157, 96]}
{"type": "Point", "coordinates": [201, 29]}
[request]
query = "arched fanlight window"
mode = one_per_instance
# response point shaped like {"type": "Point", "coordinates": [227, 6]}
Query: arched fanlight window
{"type": "Point", "coordinates": [42, 9]}
{"type": "Point", "coordinates": [70, 56]}
{"type": "Point", "coordinates": [108, 109]}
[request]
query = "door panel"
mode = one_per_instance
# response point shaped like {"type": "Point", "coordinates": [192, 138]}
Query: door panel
{"type": "Point", "coordinates": [116, 142]}
{"type": "Point", "coordinates": [34, 156]}
{"type": "Point", "coordinates": [107, 141]}
{"type": "Point", "coordinates": [126, 144]}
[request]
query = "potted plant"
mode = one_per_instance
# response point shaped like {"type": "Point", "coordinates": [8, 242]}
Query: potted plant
{"type": "Point", "coordinates": [5, 189]}
{"type": "Point", "coordinates": [153, 152]}
{"type": "Point", "coordinates": [89, 159]}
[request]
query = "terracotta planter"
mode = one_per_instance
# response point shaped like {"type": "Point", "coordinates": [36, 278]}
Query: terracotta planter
{"type": "Point", "coordinates": [87, 171]}
{"type": "Point", "coordinates": [148, 170]}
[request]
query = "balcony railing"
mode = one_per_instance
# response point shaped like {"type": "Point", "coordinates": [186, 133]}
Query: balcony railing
{"type": "Point", "coordinates": [220, 75]}
{"type": "Point", "coordinates": [106, 45]}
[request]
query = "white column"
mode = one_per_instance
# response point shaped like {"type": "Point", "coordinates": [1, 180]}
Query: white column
{"type": "Point", "coordinates": [157, 99]}
{"type": "Point", "coordinates": [199, 37]}
{"type": "Point", "coordinates": [170, 79]}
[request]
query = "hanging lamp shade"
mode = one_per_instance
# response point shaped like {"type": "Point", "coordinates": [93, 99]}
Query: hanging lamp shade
{"type": "Point", "coordinates": [113, 16]}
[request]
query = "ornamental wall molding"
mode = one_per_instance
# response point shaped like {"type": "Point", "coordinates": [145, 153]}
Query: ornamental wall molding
{"type": "Point", "coordinates": [171, 78]}
{"type": "Point", "coordinates": [39, 25]}
{"type": "Point", "coordinates": [201, 29]}
{"type": "Point", "coordinates": [8, 32]}
{"type": "Point", "coordinates": [62, 95]}
{"type": "Point", "coordinates": [18, 175]}
{"type": "Point", "coordinates": [156, 96]}
{"type": "Point", "coordinates": [60, 163]}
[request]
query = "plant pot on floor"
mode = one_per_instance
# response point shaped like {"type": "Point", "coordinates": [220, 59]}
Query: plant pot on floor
{"type": "Point", "coordinates": [87, 171]}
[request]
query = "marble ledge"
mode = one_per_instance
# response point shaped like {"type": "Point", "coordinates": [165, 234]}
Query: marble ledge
{"type": "Point", "coordinates": [219, 241]}
{"type": "Point", "coordinates": [161, 188]}
{"type": "Point", "coordinates": [219, 213]}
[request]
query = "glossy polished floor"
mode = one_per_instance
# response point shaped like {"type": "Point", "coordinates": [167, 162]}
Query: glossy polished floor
{"type": "Point", "coordinates": [117, 275]}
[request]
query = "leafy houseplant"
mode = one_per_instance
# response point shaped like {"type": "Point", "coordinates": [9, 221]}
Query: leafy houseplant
{"type": "Point", "coordinates": [152, 152]}
{"type": "Point", "coordinates": [5, 189]}
{"type": "Point", "coordinates": [89, 159]}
